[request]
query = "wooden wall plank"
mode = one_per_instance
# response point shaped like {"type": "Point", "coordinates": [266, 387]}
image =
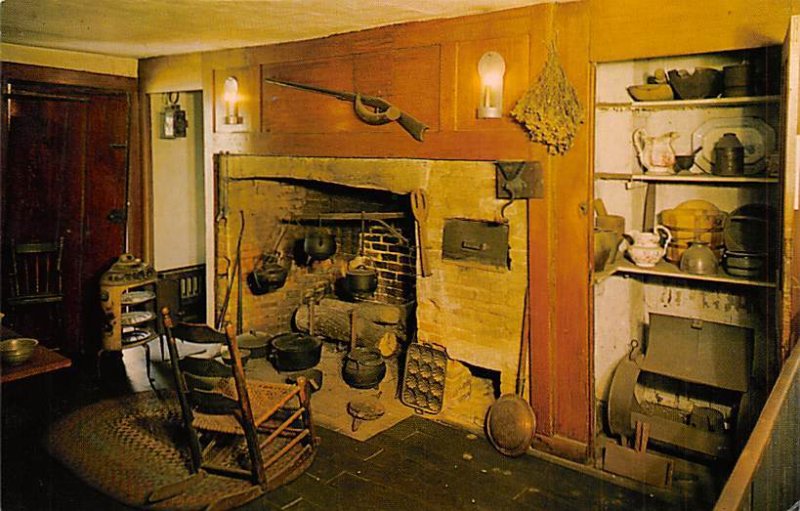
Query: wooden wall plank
{"type": "Point", "coordinates": [572, 186]}
{"type": "Point", "coordinates": [629, 29]}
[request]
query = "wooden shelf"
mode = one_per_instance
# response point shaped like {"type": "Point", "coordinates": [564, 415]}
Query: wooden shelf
{"type": "Point", "coordinates": [687, 178]}
{"type": "Point", "coordinates": [685, 104]}
{"type": "Point", "coordinates": [667, 270]}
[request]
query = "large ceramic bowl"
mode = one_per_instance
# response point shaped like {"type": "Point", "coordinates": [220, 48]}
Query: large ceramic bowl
{"type": "Point", "coordinates": [17, 351]}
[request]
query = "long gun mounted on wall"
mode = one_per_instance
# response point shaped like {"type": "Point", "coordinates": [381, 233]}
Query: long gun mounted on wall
{"type": "Point", "coordinates": [370, 109]}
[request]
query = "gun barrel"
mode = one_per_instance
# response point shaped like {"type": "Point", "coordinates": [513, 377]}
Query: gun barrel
{"type": "Point", "coordinates": [342, 95]}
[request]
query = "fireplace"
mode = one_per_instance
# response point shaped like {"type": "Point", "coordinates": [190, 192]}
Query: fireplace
{"type": "Point", "coordinates": [473, 309]}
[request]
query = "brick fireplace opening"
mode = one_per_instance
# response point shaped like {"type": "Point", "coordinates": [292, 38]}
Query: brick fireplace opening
{"type": "Point", "coordinates": [472, 309]}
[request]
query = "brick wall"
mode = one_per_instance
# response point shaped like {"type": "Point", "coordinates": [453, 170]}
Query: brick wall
{"type": "Point", "coordinates": [396, 262]}
{"type": "Point", "coordinates": [272, 205]}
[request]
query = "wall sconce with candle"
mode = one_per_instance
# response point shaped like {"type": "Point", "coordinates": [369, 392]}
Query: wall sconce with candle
{"type": "Point", "coordinates": [491, 68]}
{"type": "Point", "coordinates": [230, 97]}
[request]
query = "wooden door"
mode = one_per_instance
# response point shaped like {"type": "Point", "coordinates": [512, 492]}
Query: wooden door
{"type": "Point", "coordinates": [62, 173]}
{"type": "Point", "coordinates": [789, 326]}
{"type": "Point", "coordinates": [104, 217]}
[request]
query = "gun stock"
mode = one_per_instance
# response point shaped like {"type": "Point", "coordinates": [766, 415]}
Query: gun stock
{"type": "Point", "coordinates": [384, 112]}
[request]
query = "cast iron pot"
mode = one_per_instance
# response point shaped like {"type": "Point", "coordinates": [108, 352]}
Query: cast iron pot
{"type": "Point", "coordinates": [268, 275]}
{"type": "Point", "coordinates": [362, 279]}
{"type": "Point", "coordinates": [319, 244]}
{"type": "Point", "coordinates": [294, 351]}
{"type": "Point", "coordinates": [364, 368]}
{"type": "Point", "coordinates": [254, 341]}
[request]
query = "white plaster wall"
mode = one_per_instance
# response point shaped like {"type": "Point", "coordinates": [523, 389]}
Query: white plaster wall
{"type": "Point", "coordinates": [178, 189]}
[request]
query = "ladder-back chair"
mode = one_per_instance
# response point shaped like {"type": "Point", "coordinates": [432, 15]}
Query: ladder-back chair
{"type": "Point", "coordinates": [221, 408]}
{"type": "Point", "coordinates": [35, 277]}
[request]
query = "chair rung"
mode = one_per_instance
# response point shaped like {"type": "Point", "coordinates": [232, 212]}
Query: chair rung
{"type": "Point", "coordinates": [296, 440]}
{"type": "Point", "coordinates": [220, 469]}
{"type": "Point", "coordinates": [266, 414]}
{"type": "Point", "coordinates": [284, 432]}
{"type": "Point", "coordinates": [27, 300]}
{"type": "Point", "coordinates": [284, 425]}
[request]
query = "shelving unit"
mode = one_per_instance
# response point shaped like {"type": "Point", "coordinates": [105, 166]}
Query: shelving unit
{"type": "Point", "coordinates": [626, 295]}
{"type": "Point", "coordinates": [138, 317]}
{"type": "Point", "coordinates": [128, 299]}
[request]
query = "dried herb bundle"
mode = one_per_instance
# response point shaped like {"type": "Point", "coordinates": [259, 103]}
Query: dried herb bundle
{"type": "Point", "coordinates": [550, 110]}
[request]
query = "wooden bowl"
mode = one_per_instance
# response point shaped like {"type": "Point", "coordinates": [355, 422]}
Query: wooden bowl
{"type": "Point", "coordinates": [704, 82]}
{"type": "Point", "coordinates": [651, 92]}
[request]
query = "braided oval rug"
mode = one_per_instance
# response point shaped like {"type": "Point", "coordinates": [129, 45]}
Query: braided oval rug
{"type": "Point", "coordinates": [131, 446]}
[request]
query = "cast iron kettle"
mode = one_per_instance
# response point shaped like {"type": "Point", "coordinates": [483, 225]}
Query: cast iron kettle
{"type": "Point", "coordinates": [362, 279]}
{"type": "Point", "coordinates": [363, 368]}
{"type": "Point", "coordinates": [268, 275]}
{"type": "Point", "coordinates": [294, 351]}
{"type": "Point", "coordinates": [319, 244]}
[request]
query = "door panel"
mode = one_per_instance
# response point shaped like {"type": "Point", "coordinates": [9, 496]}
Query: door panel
{"type": "Point", "coordinates": [42, 185]}
{"type": "Point", "coordinates": [61, 176]}
{"type": "Point", "coordinates": [104, 235]}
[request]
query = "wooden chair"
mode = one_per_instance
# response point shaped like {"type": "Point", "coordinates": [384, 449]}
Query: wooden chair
{"type": "Point", "coordinates": [220, 408]}
{"type": "Point", "coordinates": [35, 277]}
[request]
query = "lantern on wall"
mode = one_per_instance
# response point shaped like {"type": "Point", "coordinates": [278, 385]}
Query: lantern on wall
{"type": "Point", "coordinates": [173, 119]}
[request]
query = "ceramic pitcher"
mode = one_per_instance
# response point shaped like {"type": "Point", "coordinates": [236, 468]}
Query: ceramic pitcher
{"type": "Point", "coordinates": [647, 248]}
{"type": "Point", "coordinates": [655, 153]}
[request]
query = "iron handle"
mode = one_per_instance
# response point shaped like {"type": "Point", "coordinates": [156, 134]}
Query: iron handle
{"type": "Point", "coordinates": [117, 216]}
{"type": "Point", "coordinates": [472, 245]}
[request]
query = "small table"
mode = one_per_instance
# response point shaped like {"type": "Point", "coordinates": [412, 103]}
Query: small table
{"type": "Point", "coordinates": [44, 360]}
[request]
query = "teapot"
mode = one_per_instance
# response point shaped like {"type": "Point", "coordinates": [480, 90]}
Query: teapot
{"type": "Point", "coordinates": [647, 248]}
{"type": "Point", "coordinates": [655, 153]}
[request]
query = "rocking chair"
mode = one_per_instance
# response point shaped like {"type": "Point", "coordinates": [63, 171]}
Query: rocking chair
{"type": "Point", "coordinates": [223, 414]}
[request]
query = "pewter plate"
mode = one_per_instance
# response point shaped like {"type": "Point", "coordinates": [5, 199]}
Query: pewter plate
{"type": "Point", "coordinates": [137, 317]}
{"type": "Point", "coordinates": [757, 137]}
{"type": "Point", "coordinates": [137, 297]}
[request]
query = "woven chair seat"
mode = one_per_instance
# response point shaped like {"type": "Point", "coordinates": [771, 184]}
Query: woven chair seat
{"type": "Point", "coordinates": [265, 399]}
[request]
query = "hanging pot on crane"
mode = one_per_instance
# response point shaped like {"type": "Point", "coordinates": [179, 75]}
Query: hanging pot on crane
{"type": "Point", "coordinates": [362, 279]}
{"type": "Point", "coordinates": [268, 275]}
{"type": "Point", "coordinates": [319, 244]}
